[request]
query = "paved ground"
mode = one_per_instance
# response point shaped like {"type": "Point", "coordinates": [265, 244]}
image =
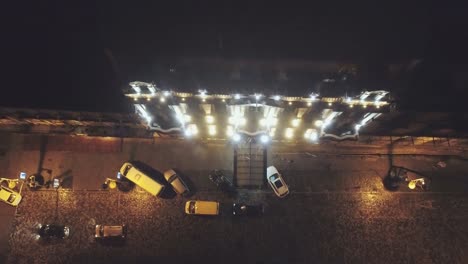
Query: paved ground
{"type": "Point", "coordinates": [338, 210]}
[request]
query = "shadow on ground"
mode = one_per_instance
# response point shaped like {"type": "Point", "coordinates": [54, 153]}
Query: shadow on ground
{"type": "Point", "coordinates": [190, 184]}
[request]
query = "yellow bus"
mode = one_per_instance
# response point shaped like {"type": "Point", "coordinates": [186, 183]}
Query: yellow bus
{"type": "Point", "coordinates": [141, 179]}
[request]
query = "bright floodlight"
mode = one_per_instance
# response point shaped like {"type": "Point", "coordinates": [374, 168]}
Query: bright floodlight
{"type": "Point", "coordinates": [318, 123]}
{"type": "Point", "coordinates": [257, 96]}
{"type": "Point", "coordinates": [309, 104]}
{"type": "Point", "coordinates": [162, 99]}
{"type": "Point", "coordinates": [237, 96]}
{"type": "Point", "coordinates": [236, 137]}
{"type": "Point", "coordinates": [202, 92]}
{"type": "Point", "coordinates": [264, 138]}
{"type": "Point", "coordinates": [209, 119]}
{"type": "Point", "coordinates": [192, 129]}
{"type": "Point", "coordinates": [330, 104]}
{"type": "Point", "coordinates": [166, 93]}
{"type": "Point", "coordinates": [212, 130]}
{"type": "Point", "coordinates": [314, 135]}
{"type": "Point", "coordinates": [357, 127]}
{"type": "Point", "coordinates": [295, 122]}
{"type": "Point", "coordinates": [289, 133]}
{"type": "Point", "coordinates": [277, 97]}
{"type": "Point", "coordinates": [312, 96]}
{"type": "Point", "coordinates": [348, 99]}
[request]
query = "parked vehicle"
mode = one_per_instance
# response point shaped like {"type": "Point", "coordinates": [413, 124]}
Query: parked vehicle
{"type": "Point", "coordinates": [202, 207]}
{"type": "Point", "coordinates": [9, 196]}
{"type": "Point", "coordinates": [176, 182]}
{"type": "Point", "coordinates": [107, 231]}
{"type": "Point", "coordinates": [53, 231]}
{"type": "Point", "coordinates": [135, 175]}
{"type": "Point", "coordinates": [218, 178]}
{"type": "Point", "coordinates": [276, 182]}
{"type": "Point", "coordinates": [240, 209]}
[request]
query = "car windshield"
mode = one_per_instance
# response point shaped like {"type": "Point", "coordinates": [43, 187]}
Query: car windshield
{"type": "Point", "coordinates": [278, 184]}
{"type": "Point", "coordinates": [11, 198]}
{"type": "Point", "coordinates": [192, 207]}
{"type": "Point", "coordinates": [172, 178]}
{"type": "Point", "coordinates": [127, 169]}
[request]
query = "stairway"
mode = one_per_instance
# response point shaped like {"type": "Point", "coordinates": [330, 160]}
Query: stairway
{"type": "Point", "coordinates": [249, 165]}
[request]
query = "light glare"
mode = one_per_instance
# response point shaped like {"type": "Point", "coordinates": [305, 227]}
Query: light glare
{"type": "Point", "coordinates": [295, 122]}
{"type": "Point", "coordinates": [209, 119]}
{"type": "Point", "coordinates": [289, 132]}
{"type": "Point", "coordinates": [212, 130]}
{"type": "Point", "coordinates": [236, 137]}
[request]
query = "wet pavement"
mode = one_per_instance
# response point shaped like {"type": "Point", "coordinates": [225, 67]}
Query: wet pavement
{"type": "Point", "coordinates": [338, 210]}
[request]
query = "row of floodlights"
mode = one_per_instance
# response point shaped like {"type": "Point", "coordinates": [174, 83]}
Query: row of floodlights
{"type": "Point", "coordinates": [350, 102]}
{"type": "Point", "coordinates": [310, 134]}
{"type": "Point", "coordinates": [240, 121]}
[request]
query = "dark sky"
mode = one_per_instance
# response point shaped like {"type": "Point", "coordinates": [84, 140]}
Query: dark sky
{"type": "Point", "coordinates": [78, 56]}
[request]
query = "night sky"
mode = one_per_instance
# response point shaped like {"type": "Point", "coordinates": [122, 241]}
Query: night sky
{"type": "Point", "coordinates": [79, 56]}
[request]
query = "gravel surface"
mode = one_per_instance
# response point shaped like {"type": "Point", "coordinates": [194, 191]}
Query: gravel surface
{"type": "Point", "coordinates": [341, 227]}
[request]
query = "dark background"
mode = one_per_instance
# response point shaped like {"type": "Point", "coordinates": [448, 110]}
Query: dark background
{"type": "Point", "coordinates": [79, 56]}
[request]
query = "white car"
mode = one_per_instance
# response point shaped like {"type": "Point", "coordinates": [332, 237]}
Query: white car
{"type": "Point", "coordinates": [177, 183]}
{"type": "Point", "coordinates": [9, 196]}
{"type": "Point", "coordinates": [276, 182]}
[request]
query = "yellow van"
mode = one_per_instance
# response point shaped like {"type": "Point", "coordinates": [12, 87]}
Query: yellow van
{"type": "Point", "coordinates": [202, 207]}
{"type": "Point", "coordinates": [139, 178]}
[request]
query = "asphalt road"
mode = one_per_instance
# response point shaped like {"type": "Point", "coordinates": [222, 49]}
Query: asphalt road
{"type": "Point", "coordinates": [338, 210]}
